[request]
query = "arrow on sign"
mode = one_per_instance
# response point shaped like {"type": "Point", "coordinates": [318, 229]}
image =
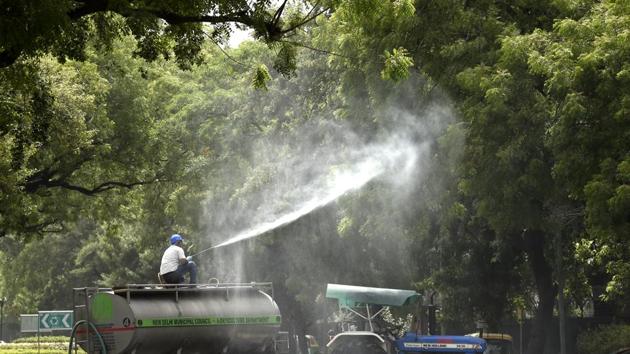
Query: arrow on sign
{"type": "Point", "coordinates": [65, 321]}
{"type": "Point", "coordinates": [45, 321]}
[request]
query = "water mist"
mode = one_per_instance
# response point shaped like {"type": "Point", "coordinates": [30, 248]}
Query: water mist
{"type": "Point", "coordinates": [289, 176]}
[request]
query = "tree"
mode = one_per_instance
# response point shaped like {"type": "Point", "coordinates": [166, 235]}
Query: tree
{"type": "Point", "coordinates": [584, 67]}
{"type": "Point", "coordinates": [64, 28]}
{"type": "Point", "coordinates": [34, 101]}
{"type": "Point", "coordinates": [504, 71]}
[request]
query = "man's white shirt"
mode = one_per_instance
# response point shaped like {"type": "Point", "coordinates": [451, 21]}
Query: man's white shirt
{"type": "Point", "coordinates": [170, 259]}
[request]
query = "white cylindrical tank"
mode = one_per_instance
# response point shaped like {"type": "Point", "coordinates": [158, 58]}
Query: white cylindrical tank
{"type": "Point", "coordinates": [221, 319]}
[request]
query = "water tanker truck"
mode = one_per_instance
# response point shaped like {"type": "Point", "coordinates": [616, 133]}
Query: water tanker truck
{"type": "Point", "coordinates": [147, 318]}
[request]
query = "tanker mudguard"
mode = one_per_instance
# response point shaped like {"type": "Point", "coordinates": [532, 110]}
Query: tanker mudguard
{"type": "Point", "coordinates": [414, 343]}
{"type": "Point", "coordinates": [147, 318]}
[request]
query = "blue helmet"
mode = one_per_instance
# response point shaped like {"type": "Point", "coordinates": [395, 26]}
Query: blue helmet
{"type": "Point", "coordinates": [175, 238]}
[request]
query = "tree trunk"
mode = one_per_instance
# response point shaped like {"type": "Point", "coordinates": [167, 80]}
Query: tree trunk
{"type": "Point", "coordinates": [534, 242]}
{"type": "Point", "coordinates": [292, 317]}
{"type": "Point", "coordinates": [560, 279]}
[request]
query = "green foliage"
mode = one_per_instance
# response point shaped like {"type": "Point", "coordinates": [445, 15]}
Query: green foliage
{"type": "Point", "coordinates": [57, 119]}
{"type": "Point", "coordinates": [261, 77]}
{"type": "Point", "coordinates": [582, 62]}
{"type": "Point", "coordinates": [541, 99]}
{"type": "Point", "coordinates": [405, 8]}
{"type": "Point", "coordinates": [397, 64]}
{"type": "Point", "coordinates": [604, 340]}
{"type": "Point", "coordinates": [285, 62]}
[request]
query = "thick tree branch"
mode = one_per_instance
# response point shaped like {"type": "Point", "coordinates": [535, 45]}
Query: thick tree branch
{"type": "Point", "coordinates": [105, 186]}
{"type": "Point", "coordinates": [48, 178]}
{"type": "Point", "coordinates": [176, 19]}
{"type": "Point", "coordinates": [53, 172]}
{"type": "Point", "coordinates": [36, 180]}
{"type": "Point", "coordinates": [276, 17]}
{"type": "Point", "coordinates": [94, 6]}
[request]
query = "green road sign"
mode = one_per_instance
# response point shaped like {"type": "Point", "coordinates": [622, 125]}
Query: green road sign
{"type": "Point", "coordinates": [49, 320]}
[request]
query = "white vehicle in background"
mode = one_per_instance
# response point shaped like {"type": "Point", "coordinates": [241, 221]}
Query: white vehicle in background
{"type": "Point", "coordinates": [358, 342]}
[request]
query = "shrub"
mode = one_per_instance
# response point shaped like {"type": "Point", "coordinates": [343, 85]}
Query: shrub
{"type": "Point", "coordinates": [604, 340]}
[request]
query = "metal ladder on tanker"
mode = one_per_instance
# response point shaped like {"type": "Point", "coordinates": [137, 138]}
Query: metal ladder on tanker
{"type": "Point", "coordinates": [81, 309]}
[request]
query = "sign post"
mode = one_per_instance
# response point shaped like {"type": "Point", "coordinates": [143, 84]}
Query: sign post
{"type": "Point", "coordinates": [520, 317]}
{"type": "Point", "coordinates": [2, 301]}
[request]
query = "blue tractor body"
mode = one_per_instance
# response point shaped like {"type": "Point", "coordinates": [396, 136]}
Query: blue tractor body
{"type": "Point", "coordinates": [414, 343]}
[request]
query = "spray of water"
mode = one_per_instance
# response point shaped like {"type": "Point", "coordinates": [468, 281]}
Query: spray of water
{"type": "Point", "coordinates": [376, 161]}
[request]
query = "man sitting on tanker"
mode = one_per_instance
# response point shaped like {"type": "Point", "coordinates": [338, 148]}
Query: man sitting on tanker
{"type": "Point", "coordinates": [175, 263]}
